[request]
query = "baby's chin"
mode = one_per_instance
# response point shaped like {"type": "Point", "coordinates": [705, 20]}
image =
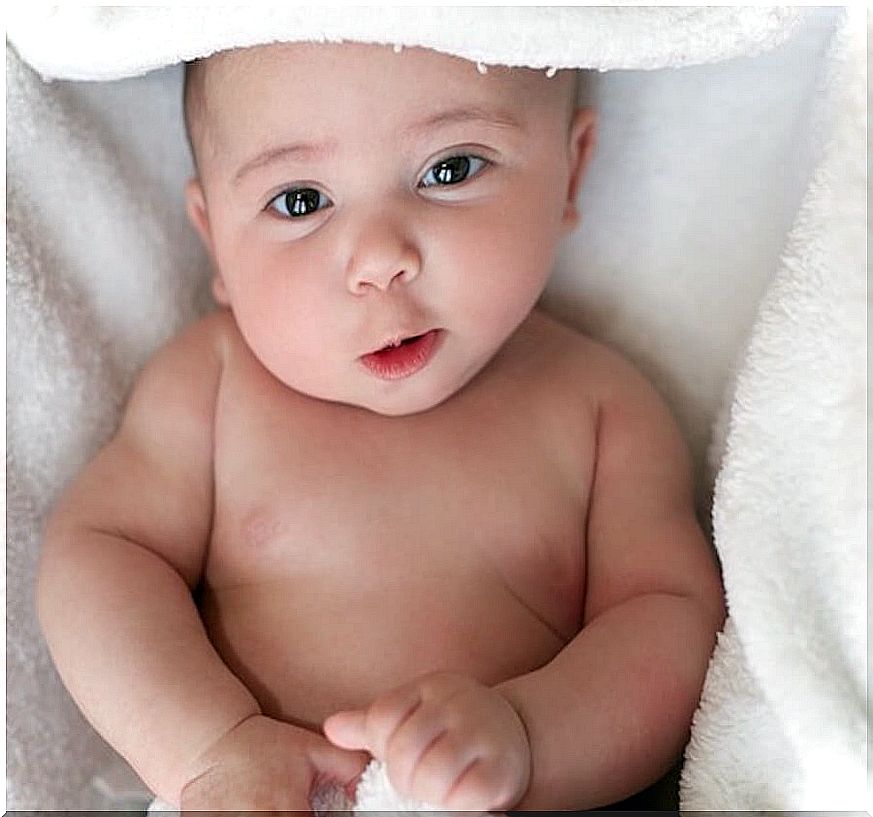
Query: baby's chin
{"type": "Point", "coordinates": [420, 393]}
{"type": "Point", "coordinates": [401, 408]}
{"type": "Point", "coordinates": [389, 399]}
{"type": "Point", "coordinates": [402, 397]}
{"type": "Point", "coordinates": [399, 402]}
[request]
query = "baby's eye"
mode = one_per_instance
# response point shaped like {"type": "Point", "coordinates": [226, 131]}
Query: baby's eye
{"type": "Point", "coordinates": [298, 202]}
{"type": "Point", "coordinates": [453, 170]}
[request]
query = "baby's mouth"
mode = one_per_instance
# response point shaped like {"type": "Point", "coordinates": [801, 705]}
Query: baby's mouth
{"type": "Point", "coordinates": [395, 342]}
{"type": "Point", "coordinates": [400, 357]}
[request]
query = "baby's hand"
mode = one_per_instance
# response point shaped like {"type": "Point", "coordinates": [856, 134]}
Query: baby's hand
{"type": "Point", "coordinates": [446, 739]}
{"type": "Point", "coordinates": [268, 765]}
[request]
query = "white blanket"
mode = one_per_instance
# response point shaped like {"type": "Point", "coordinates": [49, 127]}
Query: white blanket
{"type": "Point", "coordinates": [722, 225]}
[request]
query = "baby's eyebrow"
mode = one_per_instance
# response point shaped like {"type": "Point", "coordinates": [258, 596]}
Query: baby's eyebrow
{"type": "Point", "coordinates": [310, 150]}
{"type": "Point", "coordinates": [474, 113]}
{"type": "Point", "coordinates": [494, 117]}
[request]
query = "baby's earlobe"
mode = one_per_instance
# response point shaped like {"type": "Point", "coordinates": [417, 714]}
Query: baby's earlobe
{"type": "Point", "coordinates": [219, 292]}
{"type": "Point", "coordinates": [571, 217]}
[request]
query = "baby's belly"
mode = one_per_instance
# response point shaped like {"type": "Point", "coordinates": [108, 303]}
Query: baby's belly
{"type": "Point", "coordinates": [306, 648]}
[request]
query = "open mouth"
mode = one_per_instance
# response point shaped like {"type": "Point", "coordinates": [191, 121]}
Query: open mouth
{"type": "Point", "coordinates": [403, 342]}
{"type": "Point", "coordinates": [402, 357]}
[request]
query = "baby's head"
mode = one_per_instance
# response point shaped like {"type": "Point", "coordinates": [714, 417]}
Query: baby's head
{"type": "Point", "coordinates": [350, 196]}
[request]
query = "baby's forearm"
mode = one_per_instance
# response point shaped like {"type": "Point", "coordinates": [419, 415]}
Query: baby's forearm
{"type": "Point", "coordinates": [610, 713]}
{"type": "Point", "coordinates": [129, 644]}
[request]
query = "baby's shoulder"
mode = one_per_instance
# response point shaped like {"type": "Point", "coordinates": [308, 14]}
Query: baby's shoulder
{"type": "Point", "coordinates": [589, 386]}
{"type": "Point", "coordinates": [575, 365]}
{"type": "Point", "coordinates": [203, 343]}
{"type": "Point", "coordinates": [629, 409]}
{"type": "Point", "coordinates": [182, 375]}
{"type": "Point", "coordinates": [210, 334]}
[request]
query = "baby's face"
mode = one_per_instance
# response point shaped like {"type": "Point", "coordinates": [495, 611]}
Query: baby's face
{"type": "Point", "coordinates": [350, 196]}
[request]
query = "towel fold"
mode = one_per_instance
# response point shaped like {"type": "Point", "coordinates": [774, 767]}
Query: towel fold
{"type": "Point", "coordinates": [112, 42]}
{"type": "Point", "coordinates": [783, 719]}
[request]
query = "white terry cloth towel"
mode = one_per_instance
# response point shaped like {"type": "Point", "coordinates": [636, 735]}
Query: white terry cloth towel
{"type": "Point", "coordinates": [721, 249]}
{"type": "Point", "coordinates": [789, 506]}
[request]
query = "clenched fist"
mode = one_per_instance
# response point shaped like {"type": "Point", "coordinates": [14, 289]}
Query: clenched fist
{"type": "Point", "coordinates": [446, 739]}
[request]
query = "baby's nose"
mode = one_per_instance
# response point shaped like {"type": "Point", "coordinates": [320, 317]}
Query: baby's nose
{"type": "Point", "coordinates": [381, 255]}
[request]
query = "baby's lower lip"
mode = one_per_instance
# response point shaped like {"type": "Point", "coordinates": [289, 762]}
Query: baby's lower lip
{"type": "Point", "coordinates": [404, 360]}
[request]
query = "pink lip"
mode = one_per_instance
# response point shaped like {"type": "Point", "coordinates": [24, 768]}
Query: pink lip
{"type": "Point", "coordinates": [397, 362]}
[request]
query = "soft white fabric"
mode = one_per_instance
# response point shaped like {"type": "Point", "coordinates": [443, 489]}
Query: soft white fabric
{"type": "Point", "coordinates": [112, 42]}
{"type": "Point", "coordinates": [690, 209]}
{"type": "Point", "coordinates": [100, 268]}
{"type": "Point", "coordinates": [789, 511]}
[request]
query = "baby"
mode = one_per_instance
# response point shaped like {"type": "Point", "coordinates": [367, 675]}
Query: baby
{"type": "Point", "coordinates": [378, 503]}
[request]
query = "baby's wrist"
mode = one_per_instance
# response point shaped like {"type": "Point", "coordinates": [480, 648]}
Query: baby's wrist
{"type": "Point", "coordinates": [522, 741]}
{"type": "Point", "coordinates": [212, 753]}
{"type": "Point", "coordinates": [511, 696]}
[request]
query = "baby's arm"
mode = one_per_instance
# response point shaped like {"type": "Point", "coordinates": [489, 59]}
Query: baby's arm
{"type": "Point", "coordinates": [611, 712]}
{"type": "Point", "coordinates": [123, 549]}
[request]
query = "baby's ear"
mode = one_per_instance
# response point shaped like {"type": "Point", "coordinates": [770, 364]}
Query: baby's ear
{"type": "Point", "coordinates": [195, 207]}
{"type": "Point", "coordinates": [582, 141]}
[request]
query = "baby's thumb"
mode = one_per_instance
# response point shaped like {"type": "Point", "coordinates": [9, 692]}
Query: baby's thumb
{"type": "Point", "coordinates": [347, 729]}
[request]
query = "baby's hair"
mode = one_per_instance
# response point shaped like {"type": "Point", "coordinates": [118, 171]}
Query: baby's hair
{"type": "Point", "coordinates": [193, 103]}
{"type": "Point", "coordinates": [574, 91]}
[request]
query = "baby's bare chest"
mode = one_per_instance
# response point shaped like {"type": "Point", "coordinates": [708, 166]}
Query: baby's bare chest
{"type": "Point", "coordinates": [464, 523]}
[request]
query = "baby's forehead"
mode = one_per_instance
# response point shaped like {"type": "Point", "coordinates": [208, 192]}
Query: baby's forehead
{"type": "Point", "coordinates": [235, 96]}
{"type": "Point", "coordinates": [331, 66]}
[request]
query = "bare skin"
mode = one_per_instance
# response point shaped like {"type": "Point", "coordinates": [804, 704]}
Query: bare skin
{"type": "Point", "coordinates": [502, 593]}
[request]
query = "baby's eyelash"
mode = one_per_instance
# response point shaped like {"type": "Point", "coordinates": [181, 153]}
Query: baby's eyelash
{"type": "Point", "coordinates": [456, 165]}
{"type": "Point", "coordinates": [295, 200]}
{"type": "Point", "coordinates": [295, 203]}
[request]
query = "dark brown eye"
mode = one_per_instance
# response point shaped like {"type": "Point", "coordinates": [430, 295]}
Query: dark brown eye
{"type": "Point", "coordinates": [301, 201]}
{"type": "Point", "coordinates": [452, 170]}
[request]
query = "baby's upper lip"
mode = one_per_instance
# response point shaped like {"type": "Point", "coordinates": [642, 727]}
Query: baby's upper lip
{"type": "Point", "coordinates": [395, 338]}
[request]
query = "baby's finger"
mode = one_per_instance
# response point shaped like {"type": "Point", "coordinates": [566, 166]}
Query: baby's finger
{"type": "Point", "coordinates": [443, 762]}
{"type": "Point", "coordinates": [480, 787]}
{"type": "Point", "coordinates": [347, 729]}
{"type": "Point", "coordinates": [410, 742]}
{"type": "Point", "coordinates": [387, 714]}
